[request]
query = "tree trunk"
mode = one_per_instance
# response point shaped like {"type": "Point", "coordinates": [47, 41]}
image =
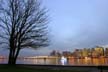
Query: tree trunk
{"type": "Point", "coordinates": [11, 59]}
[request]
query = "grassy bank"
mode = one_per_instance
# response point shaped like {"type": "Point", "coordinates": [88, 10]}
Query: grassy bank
{"type": "Point", "coordinates": [24, 69]}
{"type": "Point", "coordinates": [51, 68]}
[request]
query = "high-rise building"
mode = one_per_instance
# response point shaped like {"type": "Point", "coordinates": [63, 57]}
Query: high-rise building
{"type": "Point", "coordinates": [55, 53]}
{"type": "Point", "coordinates": [99, 51]}
{"type": "Point", "coordinates": [66, 53]}
{"type": "Point", "coordinates": [85, 52]}
{"type": "Point", "coordinates": [78, 53]}
{"type": "Point", "coordinates": [106, 52]}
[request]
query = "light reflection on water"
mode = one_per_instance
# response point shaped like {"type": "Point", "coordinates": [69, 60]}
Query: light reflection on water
{"type": "Point", "coordinates": [56, 61]}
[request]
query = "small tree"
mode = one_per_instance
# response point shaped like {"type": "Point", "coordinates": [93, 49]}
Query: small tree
{"type": "Point", "coordinates": [23, 24]}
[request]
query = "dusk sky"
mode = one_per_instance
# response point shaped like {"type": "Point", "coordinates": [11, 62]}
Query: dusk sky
{"type": "Point", "coordinates": [74, 24]}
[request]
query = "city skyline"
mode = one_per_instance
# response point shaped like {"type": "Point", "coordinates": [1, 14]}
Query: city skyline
{"type": "Point", "coordinates": [85, 52]}
{"type": "Point", "coordinates": [74, 24]}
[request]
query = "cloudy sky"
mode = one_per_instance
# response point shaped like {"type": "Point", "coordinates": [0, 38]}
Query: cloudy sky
{"type": "Point", "coordinates": [75, 24]}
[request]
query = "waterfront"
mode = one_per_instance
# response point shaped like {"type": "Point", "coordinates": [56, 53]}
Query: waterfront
{"type": "Point", "coordinates": [56, 61]}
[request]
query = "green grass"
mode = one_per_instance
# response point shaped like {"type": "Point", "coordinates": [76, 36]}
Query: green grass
{"type": "Point", "coordinates": [23, 69]}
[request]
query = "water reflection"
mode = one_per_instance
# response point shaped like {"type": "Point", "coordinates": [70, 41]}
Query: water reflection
{"type": "Point", "coordinates": [39, 61]}
{"type": "Point", "coordinates": [3, 61]}
{"type": "Point", "coordinates": [56, 61]}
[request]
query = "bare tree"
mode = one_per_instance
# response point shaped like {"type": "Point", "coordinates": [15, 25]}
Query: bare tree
{"type": "Point", "coordinates": [23, 24]}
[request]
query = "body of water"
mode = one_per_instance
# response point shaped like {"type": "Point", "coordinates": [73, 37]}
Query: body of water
{"type": "Point", "coordinates": [57, 61]}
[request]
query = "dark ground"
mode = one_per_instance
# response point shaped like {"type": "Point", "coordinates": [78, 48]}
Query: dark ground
{"type": "Point", "coordinates": [51, 68]}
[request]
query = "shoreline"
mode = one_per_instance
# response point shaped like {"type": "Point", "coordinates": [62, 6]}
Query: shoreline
{"type": "Point", "coordinates": [83, 68]}
{"type": "Point", "coordinates": [58, 66]}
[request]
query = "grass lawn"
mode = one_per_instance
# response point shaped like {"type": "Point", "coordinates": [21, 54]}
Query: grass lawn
{"type": "Point", "coordinates": [23, 69]}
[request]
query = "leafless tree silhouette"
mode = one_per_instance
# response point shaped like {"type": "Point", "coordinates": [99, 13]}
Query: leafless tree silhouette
{"type": "Point", "coordinates": [23, 24]}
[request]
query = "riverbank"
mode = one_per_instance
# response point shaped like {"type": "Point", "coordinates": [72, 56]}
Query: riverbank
{"type": "Point", "coordinates": [51, 68]}
{"type": "Point", "coordinates": [32, 68]}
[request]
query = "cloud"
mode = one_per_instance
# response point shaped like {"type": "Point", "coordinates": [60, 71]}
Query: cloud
{"type": "Point", "coordinates": [76, 24]}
